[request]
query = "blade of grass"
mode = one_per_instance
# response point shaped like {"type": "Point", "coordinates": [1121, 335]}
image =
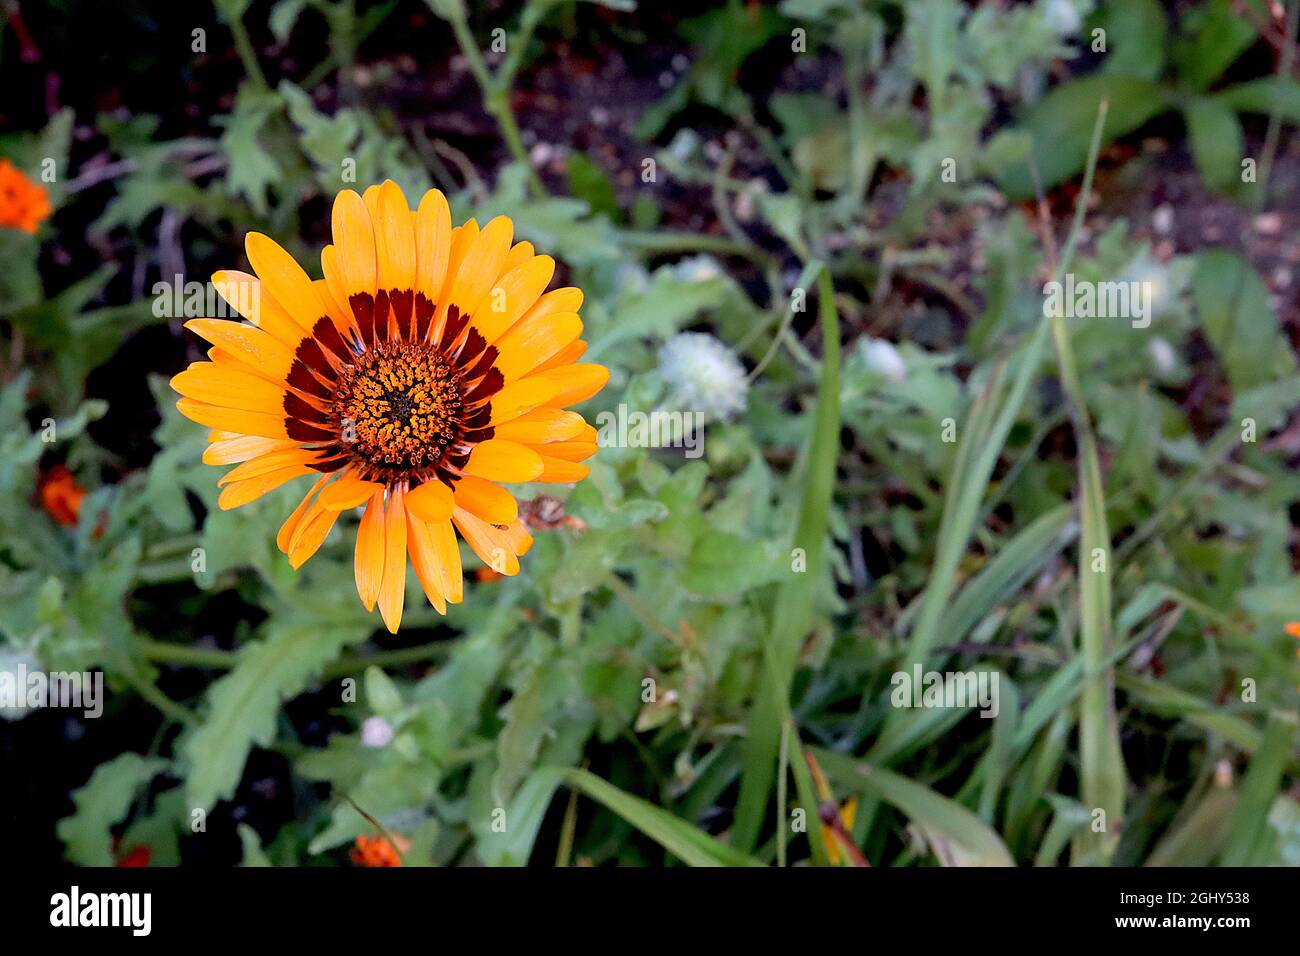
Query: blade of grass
{"type": "Point", "coordinates": [957, 835]}
{"type": "Point", "coordinates": [1102, 764]}
{"type": "Point", "coordinates": [1197, 839]}
{"type": "Point", "coordinates": [1248, 833]}
{"type": "Point", "coordinates": [688, 843]}
{"type": "Point", "coordinates": [981, 447]}
{"type": "Point", "coordinates": [793, 612]}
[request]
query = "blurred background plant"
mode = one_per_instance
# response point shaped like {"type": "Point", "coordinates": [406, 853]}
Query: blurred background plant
{"type": "Point", "coordinates": [847, 208]}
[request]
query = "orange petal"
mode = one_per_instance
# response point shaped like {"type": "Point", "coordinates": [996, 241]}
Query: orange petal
{"type": "Point", "coordinates": [566, 356]}
{"type": "Point", "coordinates": [242, 492]}
{"type": "Point", "coordinates": [284, 537]}
{"type": "Point", "coordinates": [284, 279]}
{"type": "Point", "coordinates": [229, 451]}
{"type": "Point", "coordinates": [245, 294]}
{"type": "Point", "coordinates": [498, 460]}
{"type": "Point", "coordinates": [424, 558]}
{"type": "Point", "coordinates": [339, 314]}
{"type": "Point", "coordinates": [349, 492]}
{"type": "Point", "coordinates": [246, 343]}
{"type": "Point", "coordinates": [432, 243]}
{"type": "Point", "coordinates": [392, 593]}
{"type": "Point", "coordinates": [568, 450]}
{"type": "Point", "coordinates": [515, 293]}
{"type": "Point", "coordinates": [394, 238]}
{"type": "Point", "coordinates": [447, 553]}
{"type": "Point", "coordinates": [567, 299]}
{"type": "Point", "coordinates": [576, 383]}
{"type": "Point", "coordinates": [534, 340]}
{"type": "Point", "coordinates": [560, 472]}
{"type": "Point", "coordinates": [232, 419]}
{"type": "Point", "coordinates": [462, 237]}
{"type": "Point", "coordinates": [368, 559]}
{"type": "Point", "coordinates": [310, 534]}
{"type": "Point", "coordinates": [271, 461]}
{"type": "Point", "coordinates": [493, 546]}
{"type": "Point", "coordinates": [431, 502]}
{"type": "Point", "coordinates": [354, 245]}
{"type": "Point", "coordinates": [229, 388]}
{"type": "Point", "coordinates": [541, 425]}
{"type": "Point", "coordinates": [482, 265]}
{"type": "Point", "coordinates": [521, 397]}
{"type": "Point", "coordinates": [519, 253]}
{"type": "Point", "coordinates": [486, 500]}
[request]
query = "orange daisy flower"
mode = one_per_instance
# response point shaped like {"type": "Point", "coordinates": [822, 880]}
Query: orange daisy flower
{"type": "Point", "coordinates": [425, 368]}
{"type": "Point", "coordinates": [24, 204]}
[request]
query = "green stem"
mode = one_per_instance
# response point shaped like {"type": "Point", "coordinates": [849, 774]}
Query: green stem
{"type": "Point", "coordinates": [247, 54]}
{"type": "Point", "coordinates": [806, 279]}
{"type": "Point", "coordinates": [165, 652]}
{"type": "Point", "coordinates": [496, 90]}
{"type": "Point", "coordinates": [354, 663]}
{"type": "Point", "coordinates": [666, 243]}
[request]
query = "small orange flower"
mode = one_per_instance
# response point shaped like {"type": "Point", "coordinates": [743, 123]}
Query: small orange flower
{"type": "Point", "coordinates": [377, 851]}
{"type": "Point", "coordinates": [23, 204]}
{"type": "Point", "coordinates": [61, 495]}
{"type": "Point", "coordinates": [486, 575]}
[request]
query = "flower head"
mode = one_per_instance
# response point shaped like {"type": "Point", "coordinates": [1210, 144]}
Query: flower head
{"type": "Point", "coordinates": [24, 205]}
{"type": "Point", "coordinates": [704, 375]}
{"type": "Point", "coordinates": [377, 851]}
{"type": "Point", "coordinates": [425, 368]}
{"type": "Point", "coordinates": [61, 496]}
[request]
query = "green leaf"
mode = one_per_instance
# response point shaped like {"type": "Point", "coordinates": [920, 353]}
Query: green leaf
{"type": "Point", "coordinates": [724, 564]}
{"type": "Point", "coordinates": [1196, 838]}
{"type": "Point", "coordinates": [254, 855]}
{"type": "Point", "coordinates": [1102, 764]}
{"type": "Point", "coordinates": [381, 693]}
{"type": "Point", "coordinates": [1238, 320]}
{"type": "Point", "coordinates": [1061, 125]}
{"type": "Point", "coordinates": [957, 836]}
{"type": "Point", "coordinates": [792, 616]}
{"type": "Point", "coordinates": [1280, 94]}
{"type": "Point", "coordinates": [520, 739]}
{"type": "Point", "coordinates": [1135, 36]}
{"type": "Point", "coordinates": [1249, 833]}
{"type": "Point", "coordinates": [243, 705]}
{"type": "Point", "coordinates": [103, 802]}
{"type": "Point", "coordinates": [1214, 36]}
{"type": "Point", "coordinates": [1216, 142]}
{"type": "Point", "coordinates": [690, 844]}
{"type": "Point", "coordinates": [251, 169]}
{"type": "Point", "coordinates": [588, 182]}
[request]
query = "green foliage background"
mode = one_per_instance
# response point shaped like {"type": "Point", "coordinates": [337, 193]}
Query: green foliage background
{"type": "Point", "coordinates": [522, 728]}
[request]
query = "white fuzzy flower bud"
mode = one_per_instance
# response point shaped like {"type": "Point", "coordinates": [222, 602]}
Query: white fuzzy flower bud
{"type": "Point", "coordinates": [704, 375]}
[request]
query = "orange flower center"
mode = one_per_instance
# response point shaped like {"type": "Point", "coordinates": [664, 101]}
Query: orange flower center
{"type": "Point", "coordinates": [399, 408]}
